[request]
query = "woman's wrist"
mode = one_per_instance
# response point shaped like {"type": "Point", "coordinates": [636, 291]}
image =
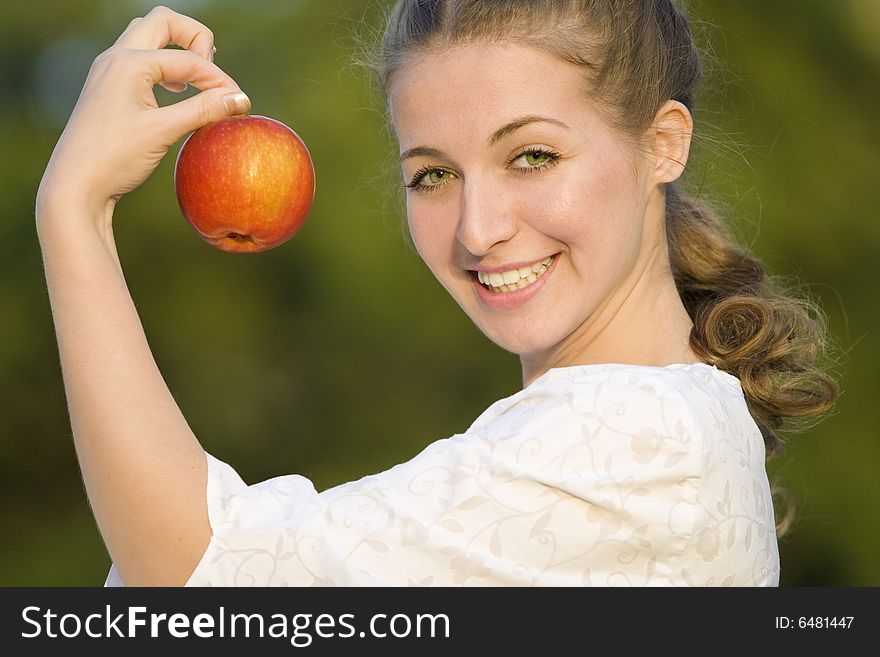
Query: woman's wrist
{"type": "Point", "coordinates": [64, 221]}
{"type": "Point", "coordinates": [57, 208]}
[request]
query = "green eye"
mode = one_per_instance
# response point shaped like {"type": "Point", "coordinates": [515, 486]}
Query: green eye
{"type": "Point", "coordinates": [435, 177]}
{"type": "Point", "coordinates": [534, 158]}
{"type": "Point", "coordinates": [427, 179]}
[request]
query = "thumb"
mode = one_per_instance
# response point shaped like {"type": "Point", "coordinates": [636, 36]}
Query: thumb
{"type": "Point", "coordinates": [206, 107]}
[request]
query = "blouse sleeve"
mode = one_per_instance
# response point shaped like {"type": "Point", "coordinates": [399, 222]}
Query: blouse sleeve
{"type": "Point", "coordinates": [558, 485]}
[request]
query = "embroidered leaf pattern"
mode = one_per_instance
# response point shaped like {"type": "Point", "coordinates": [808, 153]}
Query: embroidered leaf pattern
{"type": "Point", "coordinates": [451, 525]}
{"type": "Point", "coordinates": [540, 525]}
{"type": "Point", "coordinates": [472, 503]}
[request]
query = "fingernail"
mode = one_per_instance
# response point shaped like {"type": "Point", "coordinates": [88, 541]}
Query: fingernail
{"type": "Point", "coordinates": [213, 52]}
{"type": "Point", "coordinates": [237, 103]}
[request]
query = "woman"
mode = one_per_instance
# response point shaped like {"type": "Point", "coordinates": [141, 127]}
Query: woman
{"type": "Point", "coordinates": [540, 143]}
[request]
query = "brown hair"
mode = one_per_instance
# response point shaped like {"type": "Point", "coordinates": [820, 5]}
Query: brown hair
{"type": "Point", "coordinates": [635, 55]}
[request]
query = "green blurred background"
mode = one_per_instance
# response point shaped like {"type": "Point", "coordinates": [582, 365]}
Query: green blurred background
{"type": "Point", "coordinates": [337, 354]}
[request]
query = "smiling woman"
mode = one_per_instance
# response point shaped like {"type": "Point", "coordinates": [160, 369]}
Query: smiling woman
{"type": "Point", "coordinates": [540, 144]}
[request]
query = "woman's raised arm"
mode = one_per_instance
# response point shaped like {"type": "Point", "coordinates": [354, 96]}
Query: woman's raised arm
{"type": "Point", "coordinates": [145, 472]}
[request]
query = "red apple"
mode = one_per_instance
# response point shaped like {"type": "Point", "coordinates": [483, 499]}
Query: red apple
{"type": "Point", "coordinates": [245, 183]}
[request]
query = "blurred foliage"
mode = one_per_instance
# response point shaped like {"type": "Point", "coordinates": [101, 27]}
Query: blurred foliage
{"type": "Point", "coordinates": [337, 355]}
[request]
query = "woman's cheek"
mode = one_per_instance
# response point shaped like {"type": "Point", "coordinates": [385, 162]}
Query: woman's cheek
{"type": "Point", "coordinates": [559, 210]}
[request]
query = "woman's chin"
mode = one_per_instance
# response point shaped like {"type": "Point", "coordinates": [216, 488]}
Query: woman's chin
{"type": "Point", "coordinates": [531, 333]}
{"type": "Point", "coordinates": [521, 345]}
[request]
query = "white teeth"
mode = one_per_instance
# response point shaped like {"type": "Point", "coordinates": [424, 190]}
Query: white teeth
{"type": "Point", "coordinates": [537, 266]}
{"type": "Point", "coordinates": [514, 279]}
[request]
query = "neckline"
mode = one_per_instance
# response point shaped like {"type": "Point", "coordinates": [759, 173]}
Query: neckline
{"type": "Point", "coordinates": [557, 371]}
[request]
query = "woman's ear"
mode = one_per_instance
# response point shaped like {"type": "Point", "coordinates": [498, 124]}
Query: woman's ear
{"type": "Point", "coordinates": [670, 140]}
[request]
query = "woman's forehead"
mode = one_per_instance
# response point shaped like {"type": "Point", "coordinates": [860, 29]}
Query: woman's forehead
{"type": "Point", "coordinates": [479, 85]}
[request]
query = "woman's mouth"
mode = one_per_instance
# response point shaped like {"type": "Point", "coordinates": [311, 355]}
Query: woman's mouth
{"type": "Point", "coordinates": [508, 290]}
{"type": "Point", "coordinates": [514, 279]}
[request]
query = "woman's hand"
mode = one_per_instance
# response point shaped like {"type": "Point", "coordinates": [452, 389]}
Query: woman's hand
{"type": "Point", "coordinates": [117, 133]}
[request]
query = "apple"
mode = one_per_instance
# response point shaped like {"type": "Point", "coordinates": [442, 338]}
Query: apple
{"type": "Point", "coordinates": [245, 184]}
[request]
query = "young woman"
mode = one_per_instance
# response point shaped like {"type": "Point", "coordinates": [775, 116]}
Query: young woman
{"type": "Point", "coordinates": [540, 142]}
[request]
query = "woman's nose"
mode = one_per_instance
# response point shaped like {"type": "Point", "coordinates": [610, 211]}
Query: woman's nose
{"type": "Point", "coordinates": [485, 218]}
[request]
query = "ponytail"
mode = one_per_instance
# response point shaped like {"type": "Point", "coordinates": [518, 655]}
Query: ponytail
{"type": "Point", "coordinates": [745, 323]}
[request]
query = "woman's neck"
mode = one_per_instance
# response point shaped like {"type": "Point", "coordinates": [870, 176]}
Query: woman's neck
{"type": "Point", "coordinates": [644, 324]}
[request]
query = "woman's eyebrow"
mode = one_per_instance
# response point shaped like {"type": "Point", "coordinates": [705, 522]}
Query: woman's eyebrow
{"type": "Point", "coordinates": [497, 136]}
{"type": "Point", "coordinates": [427, 151]}
{"type": "Point", "coordinates": [516, 124]}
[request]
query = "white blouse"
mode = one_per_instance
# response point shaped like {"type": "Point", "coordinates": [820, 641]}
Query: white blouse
{"type": "Point", "coordinates": [602, 475]}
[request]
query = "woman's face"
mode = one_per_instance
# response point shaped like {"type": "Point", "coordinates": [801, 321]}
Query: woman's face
{"type": "Point", "coordinates": [521, 200]}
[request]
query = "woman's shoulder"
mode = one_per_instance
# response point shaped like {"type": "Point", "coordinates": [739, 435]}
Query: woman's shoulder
{"type": "Point", "coordinates": [689, 421]}
{"type": "Point", "coordinates": [671, 452]}
{"type": "Point", "coordinates": [627, 398]}
{"type": "Point", "coordinates": [639, 421]}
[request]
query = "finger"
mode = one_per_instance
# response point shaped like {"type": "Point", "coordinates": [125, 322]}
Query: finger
{"type": "Point", "coordinates": [180, 66]}
{"type": "Point", "coordinates": [162, 27]}
{"type": "Point", "coordinates": [203, 108]}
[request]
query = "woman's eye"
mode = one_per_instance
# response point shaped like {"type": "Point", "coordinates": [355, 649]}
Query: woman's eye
{"type": "Point", "coordinates": [534, 158]}
{"type": "Point", "coordinates": [435, 177]}
{"type": "Point", "coordinates": [426, 179]}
